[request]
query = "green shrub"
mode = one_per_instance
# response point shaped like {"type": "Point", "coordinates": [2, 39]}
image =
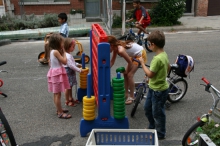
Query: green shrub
{"type": "Point", "coordinates": [213, 131]}
{"type": "Point", "coordinates": [117, 20]}
{"type": "Point", "coordinates": [50, 20]}
{"type": "Point", "coordinates": [28, 22]}
{"type": "Point", "coordinates": [167, 12]}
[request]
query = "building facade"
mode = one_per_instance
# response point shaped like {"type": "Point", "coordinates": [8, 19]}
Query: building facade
{"type": "Point", "coordinates": [94, 8]}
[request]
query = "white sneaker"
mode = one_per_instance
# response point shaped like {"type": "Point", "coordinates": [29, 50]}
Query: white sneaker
{"type": "Point", "coordinates": [145, 36]}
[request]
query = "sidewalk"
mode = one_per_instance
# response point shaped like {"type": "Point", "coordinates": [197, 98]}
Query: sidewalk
{"type": "Point", "coordinates": [189, 23]}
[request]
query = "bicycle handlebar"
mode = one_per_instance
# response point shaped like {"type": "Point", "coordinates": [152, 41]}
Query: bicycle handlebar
{"type": "Point", "coordinates": [205, 80]}
{"type": "Point", "coordinates": [2, 63]}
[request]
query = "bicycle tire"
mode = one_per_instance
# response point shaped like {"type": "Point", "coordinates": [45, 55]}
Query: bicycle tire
{"type": "Point", "coordinates": [139, 96]}
{"type": "Point", "coordinates": [146, 46]}
{"type": "Point", "coordinates": [7, 128]}
{"type": "Point", "coordinates": [181, 92]}
{"type": "Point", "coordinates": [41, 55]}
{"type": "Point", "coordinates": [122, 37]}
{"type": "Point", "coordinates": [187, 141]}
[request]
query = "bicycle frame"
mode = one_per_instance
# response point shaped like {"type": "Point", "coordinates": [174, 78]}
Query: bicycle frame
{"type": "Point", "coordinates": [144, 84]}
{"type": "Point", "coordinates": [138, 38]}
{"type": "Point", "coordinates": [206, 117]}
{"type": "Point", "coordinates": [170, 79]}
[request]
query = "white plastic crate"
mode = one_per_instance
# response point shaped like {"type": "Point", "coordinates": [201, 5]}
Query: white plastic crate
{"type": "Point", "coordinates": [147, 137]}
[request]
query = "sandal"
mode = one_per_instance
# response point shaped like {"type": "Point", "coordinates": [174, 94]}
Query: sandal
{"type": "Point", "coordinates": [129, 101]}
{"type": "Point", "coordinates": [77, 101]}
{"type": "Point", "coordinates": [70, 103]}
{"type": "Point", "coordinates": [64, 116]}
{"type": "Point", "coordinates": [64, 111]}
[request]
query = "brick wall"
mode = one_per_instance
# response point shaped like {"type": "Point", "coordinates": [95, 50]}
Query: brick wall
{"type": "Point", "coordinates": [41, 9]}
{"type": "Point", "coordinates": [116, 5]}
{"type": "Point", "coordinates": [202, 7]}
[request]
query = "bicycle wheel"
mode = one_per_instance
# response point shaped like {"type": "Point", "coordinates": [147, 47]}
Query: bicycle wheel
{"type": "Point", "coordinates": [191, 137]}
{"type": "Point", "coordinates": [139, 97]}
{"type": "Point", "coordinates": [146, 45]}
{"type": "Point", "coordinates": [122, 37]}
{"type": "Point", "coordinates": [6, 133]}
{"type": "Point", "coordinates": [178, 90]}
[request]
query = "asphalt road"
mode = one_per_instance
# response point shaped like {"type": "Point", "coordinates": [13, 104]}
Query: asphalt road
{"type": "Point", "coordinates": [31, 114]}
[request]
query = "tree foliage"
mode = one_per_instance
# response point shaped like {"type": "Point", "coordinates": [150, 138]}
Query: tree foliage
{"type": "Point", "coordinates": [167, 12]}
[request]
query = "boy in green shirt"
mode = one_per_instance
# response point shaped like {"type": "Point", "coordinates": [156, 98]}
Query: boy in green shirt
{"type": "Point", "coordinates": [158, 87]}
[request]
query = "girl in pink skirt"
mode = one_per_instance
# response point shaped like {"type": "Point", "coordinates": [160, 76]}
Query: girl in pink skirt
{"type": "Point", "coordinates": [56, 76]}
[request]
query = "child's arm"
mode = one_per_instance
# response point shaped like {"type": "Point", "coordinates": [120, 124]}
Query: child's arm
{"type": "Point", "coordinates": [113, 58]}
{"type": "Point", "coordinates": [149, 73]}
{"type": "Point", "coordinates": [128, 20]}
{"type": "Point", "coordinates": [62, 58]}
{"type": "Point", "coordinates": [72, 64]}
{"type": "Point", "coordinates": [168, 68]}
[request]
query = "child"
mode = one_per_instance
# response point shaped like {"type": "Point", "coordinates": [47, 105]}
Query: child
{"type": "Point", "coordinates": [64, 29]}
{"type": "Point", "coordinates": [158, 86]}
{"type": "Point", "coordinates": [71, 67]}
{"type": "Point", "coordinates": [46, 49]}
{"type": "Point", "coordinates": [141, 16]}
{"type": "Point", "coordinates": [130, 51]}
{"type": "Point", "coordinates": [57, 77]}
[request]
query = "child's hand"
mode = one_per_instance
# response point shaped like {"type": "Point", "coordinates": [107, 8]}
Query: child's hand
{"type": "Point", "coordinates": [61, 51]}
{"type": "Point", "coordinates": [83, 70]}
{"type": "Point", "coordinates": [141, 60]}
{"type": "Point", "coordinates": [79, 65]}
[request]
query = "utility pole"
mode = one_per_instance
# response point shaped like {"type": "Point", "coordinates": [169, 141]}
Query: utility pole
{"type": "Point", "coordinates": [121, 7]}
{"type": "Point", "coordinates": [21, 3]}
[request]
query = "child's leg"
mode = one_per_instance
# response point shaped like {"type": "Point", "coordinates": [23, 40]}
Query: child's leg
{"type": "Point", "coordinates": [70, 94]}
{"type": "Point", "coordinates": [141, 29]}
{"type": "Point", "coordinates": [158, 99]}
{"type": "Point", "coordinates": [57, 102]}
{"type": "Point", "coordinates": [69, 97]}
{"type": "Point", "coordinates": [148, 109]}
{"type": "Point", "coordinates": [76, 99]}
{"type": "Point", "coordinates": [126, 83]}
{"type": "Point", "coordinates": [131, 79]}
{"type": "Point", "coordinates": [130, 82]}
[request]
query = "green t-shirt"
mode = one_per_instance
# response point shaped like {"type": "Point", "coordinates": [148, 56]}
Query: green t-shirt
{"type": "Point", "coordinates": [159, 65]}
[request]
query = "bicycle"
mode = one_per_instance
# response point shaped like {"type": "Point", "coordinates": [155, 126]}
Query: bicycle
{"type": "Point", "coordinates": [77, 57]}
{"type": "Point", "coordinates": [178, 87]}
{"type": "Point", "coordinates": [139, 39]}
{"type": "Point", "coordinates": [6, 135]}
{"type": "Point", "coordinates": [1, 82]}
{"type": "Point", "coordinates": [191, 136]}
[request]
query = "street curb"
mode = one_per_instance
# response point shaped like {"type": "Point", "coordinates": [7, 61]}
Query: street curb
{"type": "Point", "coordinates": [5, 42]}
{"type": "Point", "coordinates": [117, 31]}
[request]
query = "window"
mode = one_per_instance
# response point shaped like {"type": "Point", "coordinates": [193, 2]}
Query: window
{"type": "Point", "coordinates": [130, 1]}
{"type": "Point", "coordinates": [44, 2]}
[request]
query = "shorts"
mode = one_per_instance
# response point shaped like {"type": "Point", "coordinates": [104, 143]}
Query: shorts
{"type": "Point", "coordinates": [145, 23]}
{"type": "Point", "coordinates": [71, 76]}
{"type": "Point", "coordinates": [135, 60]}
